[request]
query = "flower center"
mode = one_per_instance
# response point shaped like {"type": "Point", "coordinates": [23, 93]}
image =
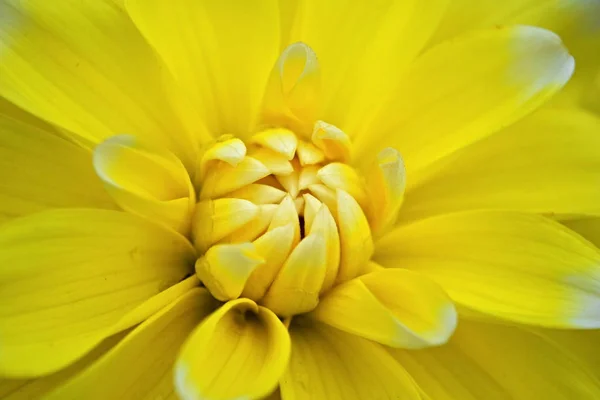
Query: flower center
{"type": "Point", "coordinates": [282, 219]}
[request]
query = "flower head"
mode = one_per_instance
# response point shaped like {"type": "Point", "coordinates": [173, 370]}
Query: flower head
{"type": "Point", "coordinates": [231, 200]}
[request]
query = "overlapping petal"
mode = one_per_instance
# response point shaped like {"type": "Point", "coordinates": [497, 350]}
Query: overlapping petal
{"type": "Point", "coordinates": [515, 266]}
{"type": "Point", "coordinates": [549, 163]}
{"type": "Point", "coordinates": [329, 364]}
{"type": "Point", "coordinates": [141, 365]}
{"type": "Point", "coordinates": [239, 351]}
{"type": "Point", "coordinates": [464, 90]}
{"type": "Point", "coordinates": [499, 362]}
{"type": "Point", "coordinates": [220, 51]}
{"type": "Point", "coordinates": [64, 62]}
{"type": "Point", "coordinates": [41, 169]}
{"type": "Point", "coordinates": [73, 277]}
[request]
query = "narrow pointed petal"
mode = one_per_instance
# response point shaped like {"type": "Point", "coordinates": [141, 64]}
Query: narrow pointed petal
{"type": "Point", "coordinates": [274, 247]}
{"type": "Point", "coordinates": [518, 267]}
{"type": "Point", "coordinates": [554, 173]}
{"type": "Point", "coordinates": [215, 219]}
{"type": "Point", "coordinates": [330, 364]}
{"type": "Point", "coordinates": [206, 44]}
{"type": "Point", "coordinates": [225, 268]}
{"type": "Point", "coordinates": [386, 185]}
{"type": "Point", "coordinates": [441, 107]}
{"type": "Point", "coordinates": [334, 143]}
{"type": "Point", "coordinates": [141, 365]}
{"type": "Point", "coordinates": [277, 163]}
{"type": "Point", "coordinates": [41, 170]}
{"type": "Point", "coordinates": [324, 224]}
{"type": "Point", "coordinates": [342, 176]}
{"type": "Point", "coordinates": [91, 93]}
{"type": "Point", "coordinates": [70, 276]}
{"type": "Point", "coordinates": [309, 154]}
{"type": "Point", "coordinates": [296, 287]}
{"type": "Point", "coordinates": [395, 307]}
{"type": "Point", "coordinates": [257, 227]}
{"type": "Point", "coordinates": [356, 242]}
{"type": "Point", "coordinates": [282, 141]}
{"type": "Point", "coordinates": [286, 214]}
{"type": "Point", "coordinates": [223, 178]}
{"type": "Point", "coordinates": [311, 207]}
{"type": "Point", "coordinates": [230, 150]}
{"type": "Point", "coordinates": [259, 194]}
{"type": "Point", "coordinates": [247, 348]}
{"type": "Point", "coordinates": [292, 93]}
{"type": "Point", "coordinates": [145, 181]}
{"type": "Point", "coordinates": [497, 362]}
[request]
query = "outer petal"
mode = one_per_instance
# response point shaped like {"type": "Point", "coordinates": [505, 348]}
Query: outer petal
{"type": "Point", "coordinates": [520, 267]}
{"type": "Point", "coordinates": [588, 227]}
{"type": "Point", "coordinates": [140, 367]}
{"type": "Point", "coordinates": [63, 61]}
{"type": "Point", "coordinates": [238, 352]}
{"type": "Point", "coordinates": [72, 277]}
{"type": "Point", "coordinates": [464, 90]}
{"type": "Point", "coordinates": [363, 48]}
{"type": "Point", "coordinates": [497, 362]}
{"type": "Point", "coordinates": [330, 364]}
{"type": "Point", "coordinates": [548, 163]}
{"type": "Point", "coordinates": [395, 307]}
{"type": "Point", "coordinates": [26, 389]}
{"type": "Point", "coordinates": [221, 51]}
{"type": "Point", "coordinates": [465, 15]}
{"type": "Point", "coordinates": [41, 170]}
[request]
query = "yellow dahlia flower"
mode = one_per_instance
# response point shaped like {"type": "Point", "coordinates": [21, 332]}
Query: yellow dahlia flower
{"type": "Point", "coordinates": [299, 199]}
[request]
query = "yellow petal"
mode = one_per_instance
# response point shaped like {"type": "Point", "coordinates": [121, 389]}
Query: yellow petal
{"type": "Point", "coordinates": [362, 48]}
{"type": "Point", "coordinates": [385, 185]}
{"type": "Point", "coordinates": [274, 247]}
{"type": "Point", "coordinates": [240, 351]}
{"type": "Point", "coordinates": [42, 170]}
{"type": "Point", "coordinates": [342, 176]}
{"type": "Point", "coordinates": [204, 45]}
{"type": "Point", "coordinates": [223, 178]}
{"type": "Point", "coordinates": [290, 181]}
{"type": "Point", "coordinates": [225, 268]}
{"type": "Point", "coordinates": [518, 168]}
{"type": "Point", "coordinates": [324, 224]}
{"type": "Point", "coordinates": [356, 242]}
{"type": "Point", "coordinates": [286, 214]}
{"type": "Point", "coordinates": [275, 162]}
{"type": "Point", "coordinates": [308, 176]}
{"type": "Point", "coordinates": [90, 92]}
{"type": "Point", "coordinates": [280, 140]}
{"type": "Point", "coordinates": [581, 344]}
{"type": "Point", "coordinates": [259, 194]}
{"type": "Point", "coordinates": [514, 266]}
{"type": "Point", "coordinates": [329, 364]}
{"type": "Point", "coordinates": [141, 365]}
{"type": "Point", "coordinates": [464, 15]}
{"type": "Point", "coordinates": [589, 228]}
{"type": "Point", "coordinates": [26, 389]}
{"type": "Point", "coordinates": [495, 362]}
{"type": "Point", "coordinates": [151, 183]}
{"type": "Point", "coordinates": [395, 307]}
{"type": "Point", "coordinates": [258, 226]}
{"type": "Point", "coordinates": [311, 207]}
{"type": "Point", "coordinates": [70, 276]}
{"type": "Point", "coordinates": [325, 195]}
{"type": "Point", "coordinates": [215, 219]}
{"type": "Point", "coordinates": [442, 106]}
{"type": "Point", "coordinates": [230, 150]}
{"type": "Point", "coordinates": [309, 154]}
{"type": "Point", "coordinates": [332, 141]}
{"type": "Point", "coordinates": [292, 93]}
{"type": "Point", "coordinates": [296, 287]}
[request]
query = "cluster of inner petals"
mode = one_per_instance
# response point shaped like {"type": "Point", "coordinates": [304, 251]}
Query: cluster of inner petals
{"type": "Point", "coordinates": [282, 219]}
{"type": "Point", "coordinates": [279, 218]}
